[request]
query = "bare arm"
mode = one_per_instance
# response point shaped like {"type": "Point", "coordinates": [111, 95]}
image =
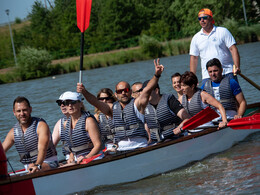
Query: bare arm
{"type": "Point", "coordinates": [56, 133]}
{"type": "Point", "coordinates": [93, 130]}
{"type": "Point", "coordinates": [184, 116]}
{"type": "Point", "coordinates": [236, 58]}
{"type": "Point", "coordinates": [43, 132]}
{"type": "Point", "coordinates": [142, 101]}
{"type": "Point", "coordinates": [242, 105]}
{"type": "Point", "coordinates": [106, 108]}
{"type": "Point", "coordinates": [207, 98]}
{"type": "Point", "coordinates": [9, 140]}
{"type": "Point", "coordinates": [194, 63]}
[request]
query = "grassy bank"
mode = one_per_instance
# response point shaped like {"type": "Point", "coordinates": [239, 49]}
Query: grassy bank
{"type": "Point", "coordinates": [148, 48]}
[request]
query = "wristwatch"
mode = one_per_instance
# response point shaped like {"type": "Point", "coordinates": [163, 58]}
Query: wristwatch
{"type": "Point", "coordinates": [38, 166]}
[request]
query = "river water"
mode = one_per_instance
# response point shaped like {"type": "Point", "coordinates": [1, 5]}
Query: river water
{"type": "Point", "coordinates": [234, 171]}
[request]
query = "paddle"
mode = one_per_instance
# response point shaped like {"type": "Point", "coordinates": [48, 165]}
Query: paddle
{"type": "Point", "coordinates": [247, 79]}
{"type": "Point", "coordinates": [83, 17]}
{"type": "Point", "coordinates": [204, 116]}
{"type": "Point", "coordinates": [250, 122]}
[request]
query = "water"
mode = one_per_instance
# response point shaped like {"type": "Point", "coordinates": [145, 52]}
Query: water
{"type": "Point", "coordinates": [234, 171]}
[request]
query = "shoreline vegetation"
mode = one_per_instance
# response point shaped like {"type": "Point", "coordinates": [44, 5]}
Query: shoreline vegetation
{"type": "Point", "coordinates": [149, 48]}
{"type": "Point", "coordinates": [48, 42]}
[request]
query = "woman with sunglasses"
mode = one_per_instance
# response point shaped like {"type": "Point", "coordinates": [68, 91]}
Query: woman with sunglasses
{"type": "Point", "coordinates": [82, 137]}
{"type": "Point", "coordinates": [105, 122]}
{"type": "Point", "coordinates": [58, 130]}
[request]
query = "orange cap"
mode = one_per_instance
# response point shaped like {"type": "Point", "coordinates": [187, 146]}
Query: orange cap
{"type": "Point", "coordinates": [208, 12]}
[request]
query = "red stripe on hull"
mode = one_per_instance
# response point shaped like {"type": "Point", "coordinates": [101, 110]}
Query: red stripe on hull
{"type": "Point", "coordinates": [23, 187]}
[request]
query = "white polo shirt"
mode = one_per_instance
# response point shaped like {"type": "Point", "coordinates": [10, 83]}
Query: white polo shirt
{"type": "Point", "coordinates": [214, 45]}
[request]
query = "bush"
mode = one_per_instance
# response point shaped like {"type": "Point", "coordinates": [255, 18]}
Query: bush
{"type": "Point", "coordinates": [150, 46]}
{"type": "Point", "coordinates": [33, 63]}
{"type": "Point", "coordinates": [18, 20]}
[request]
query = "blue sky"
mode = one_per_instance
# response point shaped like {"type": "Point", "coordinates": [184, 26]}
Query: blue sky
{"type": "Point", "coordinates": [18, 8]}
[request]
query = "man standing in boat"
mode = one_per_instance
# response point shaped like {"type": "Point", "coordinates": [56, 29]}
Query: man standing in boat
{"type": "Point", "coordinates": [127, 113]}
{"type": "Point", "coordinates": [164, 115]}
{"type": "Point", "coordinates": [225, 89]}
{"type": "Point", "coordinates": [213, 42]}
{"type": "Point", "coordinates": [32, 139]}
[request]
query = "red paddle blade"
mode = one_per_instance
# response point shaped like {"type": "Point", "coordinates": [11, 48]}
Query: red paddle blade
{"type": "Point", "coordinates": [250, 122]}
{"type": "Point", "coordinates": [83, 13]}
{"type": "Point", "coordinates": [204, 116]}
{"type": "Point", "coordinates": [87, 160]}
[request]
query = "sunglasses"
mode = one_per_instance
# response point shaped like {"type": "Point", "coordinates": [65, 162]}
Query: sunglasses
{"type": "Point", "coordinates": [60, 102]}
{"type": "Point", "coordinates": [104, 98]}
{"type": "Point", "coordinates": [68, 102]}
{"type": "Point", "coordinates": [137, 91]}
{"type": "Point", "coordinates": [119, 91]}
{"type": "Point", "coordinates": [203, 17]}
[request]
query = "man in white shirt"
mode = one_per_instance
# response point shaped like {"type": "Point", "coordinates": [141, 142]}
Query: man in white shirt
{"type": "Point", "coordinates": [213, 42]}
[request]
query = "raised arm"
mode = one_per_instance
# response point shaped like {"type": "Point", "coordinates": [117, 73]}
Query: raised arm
{"type": "Point", "coordinates": [106, 108]}
{"type": "Point", "coordinates": [193, 63]}
{"type": "Point", "coordinates": [142, 101]}
{"type": "Point", "coordinates": [207, 98]}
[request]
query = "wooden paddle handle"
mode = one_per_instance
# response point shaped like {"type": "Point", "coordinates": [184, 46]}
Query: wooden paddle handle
{"type": "Point", "coordinates": [250, 81]}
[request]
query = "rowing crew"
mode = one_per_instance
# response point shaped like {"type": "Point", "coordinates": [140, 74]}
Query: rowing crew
{"type": "Point", "coordinates": [124, 125]}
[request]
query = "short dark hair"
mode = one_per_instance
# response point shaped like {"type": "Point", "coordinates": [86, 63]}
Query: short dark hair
{"type": "Point", "coordinates": [20, 99]}
{"type": "Point", "coordinates": [214, 62]}
{"type": "Point", "coordinates": [137, 83]}
{"type": "Point", "coordinates": [176, 74]}
{"type": "Point", "coordinates": [189, 78]}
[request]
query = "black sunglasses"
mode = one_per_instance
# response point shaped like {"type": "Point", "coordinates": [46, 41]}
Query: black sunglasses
{"type": "Point", "coordinates": [68, 102]}
{"type": "Point", "coordinates": [119, 91]}
{"type": "Point", "coordinates": [203, 17]}
{"type": "Point", "coordinates": [60, 102]}
{"type": "Point", "coordinates": [137, 91]}
{"type": "Point", "coordinates": [104, 98]}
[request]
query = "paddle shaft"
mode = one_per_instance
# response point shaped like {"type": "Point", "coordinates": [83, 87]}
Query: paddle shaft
{"type": "Point", "coordinates": [81, 56]}
{"type": "Point", "coordinates": [250, 81]}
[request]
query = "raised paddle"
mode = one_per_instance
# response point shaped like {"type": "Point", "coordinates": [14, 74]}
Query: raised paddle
{"type": "Point", "coordinates": [204, 116]}
{"type": "Point", "coordinates": [247, 79]}
{"type": "Point", "coordinates": [83, 17]}
{"type": "Point", "coordinates": [250, 122]}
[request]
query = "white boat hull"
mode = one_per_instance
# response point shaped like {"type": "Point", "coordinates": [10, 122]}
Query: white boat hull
{"type": "Point", "coordinates": [139, 166]}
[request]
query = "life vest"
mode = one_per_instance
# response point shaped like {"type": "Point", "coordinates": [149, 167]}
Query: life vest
{"type": "Point", "coordinates": [77, 139]}
{"type": "Point", "coordinates": [62, 135]}
{"type": "Point", "coordinates": [194, 106]}
{"type": "Point", "coordinates": [3, 163]}
{"type": "Point", "coordinates": [162, 120]}
{"type": "Point", "coordinates": [227, 99]}
{"type": "Point", "coordinates": [105, 127]}
{"type": "Point", "coordinates": [27, 143]}
{"type": "Point", "coordinates": [126, 123]}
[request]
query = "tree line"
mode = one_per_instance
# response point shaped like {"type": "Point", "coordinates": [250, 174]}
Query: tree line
{"type": "Point", "coordinates": [118, 24]}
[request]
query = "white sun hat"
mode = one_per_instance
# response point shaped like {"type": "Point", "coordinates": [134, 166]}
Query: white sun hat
{"type": "Point", "coordinates": [69, 95]}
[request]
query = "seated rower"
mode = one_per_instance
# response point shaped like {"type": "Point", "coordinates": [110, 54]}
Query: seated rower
{"type": "Point", "coordinates": [105, 122]}
{"type": "Point", "coordinates": [225, 89]}
{"type": "Point", "coordinates": [32, 139]}
{"type": "Point", "coordinates": [82, 137]}
{"type": "Point", "coordinates": [58, 130]}
{"type": "Point", "coordinates": [127, 113]}
{"type": "Point", "coordinates": [164, 115]}
{"type": "Point", "coordinates": [194, 99]}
